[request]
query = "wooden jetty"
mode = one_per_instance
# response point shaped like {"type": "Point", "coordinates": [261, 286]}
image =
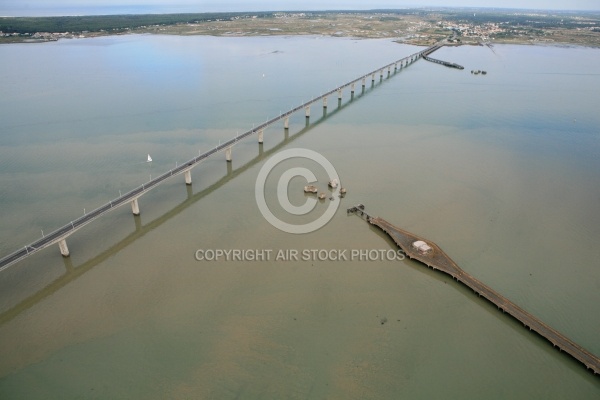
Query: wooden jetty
{"type": "Point", "coordinates": [445, 63]}
{"type": "Point", "coordinates": [430, 50]}
{"type": "Point", "coordinates": [434, 257]}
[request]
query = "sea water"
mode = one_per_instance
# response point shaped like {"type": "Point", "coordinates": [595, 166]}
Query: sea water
{"type": "Point", "coordinates": [500, 170]}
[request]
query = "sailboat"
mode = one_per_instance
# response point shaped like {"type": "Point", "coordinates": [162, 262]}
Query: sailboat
{"type": "Point", "coordinates": [149, 158]}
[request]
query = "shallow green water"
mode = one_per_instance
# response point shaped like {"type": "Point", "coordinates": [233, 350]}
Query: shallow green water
{"type": "Point", "coordinates": [500, 170]}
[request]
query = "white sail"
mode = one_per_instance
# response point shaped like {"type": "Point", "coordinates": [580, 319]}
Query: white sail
{"type": "Point", "coordinates": [149, 158]}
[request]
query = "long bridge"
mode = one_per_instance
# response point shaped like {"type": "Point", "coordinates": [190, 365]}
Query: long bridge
{"type": "Point", "coordinates": [434, 257]}
{"type": "Point", "coordinates": [73, 272]}
{"type": "Point", "coordinates": [61, 234]}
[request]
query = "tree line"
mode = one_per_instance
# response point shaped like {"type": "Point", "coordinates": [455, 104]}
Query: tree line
{"type": "Point", "coordinates": [97, 23]}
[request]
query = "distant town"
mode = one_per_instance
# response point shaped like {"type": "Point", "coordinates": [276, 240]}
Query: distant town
{"type": "Point", "coordinates": [412, 26]}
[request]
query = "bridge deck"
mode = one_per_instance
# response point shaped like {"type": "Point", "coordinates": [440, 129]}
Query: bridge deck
{"type": "Point", "coordinates": [439, 260]}
{"type": "Point", "coordinates": [70, 228]}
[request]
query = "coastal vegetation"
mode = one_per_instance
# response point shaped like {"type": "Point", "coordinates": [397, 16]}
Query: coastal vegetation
{"type": "Point", "coordinates": [100, 23]}
{"type": "Point", "coordinates": [414, 26]}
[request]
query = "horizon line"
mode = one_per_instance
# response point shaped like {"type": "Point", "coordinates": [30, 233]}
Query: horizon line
{"type": "Point", "coordinates": [148, 12]}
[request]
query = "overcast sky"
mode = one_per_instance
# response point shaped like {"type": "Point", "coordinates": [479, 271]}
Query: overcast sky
{"type": "Point", "coordinates": [63, 7]}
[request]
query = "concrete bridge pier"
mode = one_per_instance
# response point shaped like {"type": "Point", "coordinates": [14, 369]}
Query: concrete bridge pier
{"type": "Point", "coordinates": [68, 262]}
{"type": "Point", "coordinates": [373, 77]}
{"type": "Point", "coordinates": [339, 93]}
{"type": "Point", "coordinates": [381, 74]}
{"type": "Point", "coordinates": [364, 82]}
{"type": "Point", "coordinates": [261, 136]}
{"type": "Point", "coordinates": [307, 111]}
{"type": "Point", "coordinates": [228, 154]}
{"type": "Point", "coordinates": [325, 102]}
{"type": "Point", "coordinates": [135, 207]}
{"type": "Point", "coordinates": [137, 220]}
{"type": "Point", "coordinates": [389, 70]}
{"type": "Point", "coordinates": [188, 177]}
{"type": "Point", "coordinates": [286, 123]}
{"type": "Point", "coordinates": [64, 250]}
{"type": "Point", "coordinates": [352, 87]}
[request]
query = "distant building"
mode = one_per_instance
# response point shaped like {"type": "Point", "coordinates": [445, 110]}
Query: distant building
{"type": "Point", "coordinates": [422, 247]}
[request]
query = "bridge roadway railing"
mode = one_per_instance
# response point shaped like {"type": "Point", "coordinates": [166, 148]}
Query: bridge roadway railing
{"type": "Point", "coordinates": [68, 229]}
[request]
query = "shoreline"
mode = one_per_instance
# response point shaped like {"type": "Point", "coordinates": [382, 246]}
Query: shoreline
{"type": "Point", "coordinates": [30, 40]}
{"type": "Point", "coordinates": [411, 26]}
